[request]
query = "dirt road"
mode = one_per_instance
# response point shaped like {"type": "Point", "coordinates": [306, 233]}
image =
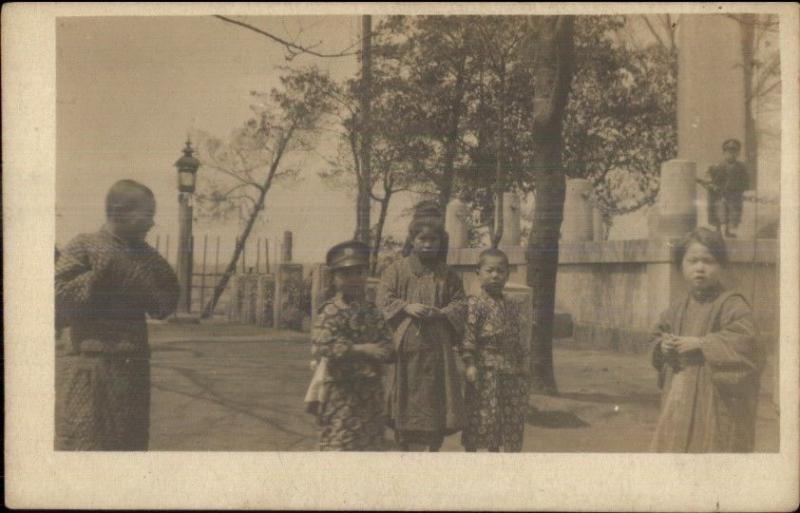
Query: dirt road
{"type": "Point", "coordinates": [240, 388]}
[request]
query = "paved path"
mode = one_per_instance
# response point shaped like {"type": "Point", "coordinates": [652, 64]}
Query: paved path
{"type": "Point", "coordinates": [238, 388]}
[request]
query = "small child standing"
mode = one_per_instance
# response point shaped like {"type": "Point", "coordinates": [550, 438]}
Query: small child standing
{"type": "Point", "coordinates": [495, 360]}
{"type": "Point", "coordinates": [708, 358]}
{"type": "Point", "coordinates": [351, 341]}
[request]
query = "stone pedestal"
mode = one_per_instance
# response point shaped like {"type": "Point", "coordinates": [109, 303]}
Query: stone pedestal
{"type": "Point", "coordinates": [578, 224]}
{"type": "Point", "coordinates": [677, 209]}
{"type": "Point", "coordinates": [510, 220]}
{"type": "Point", "coordinates": [288, 288]}
{"type": "Point", "coordinates": [265, 296]}
{"type": "Point", "coordinates": [456, 225]}
{"type": "Point", "coordinates": [321, 288]}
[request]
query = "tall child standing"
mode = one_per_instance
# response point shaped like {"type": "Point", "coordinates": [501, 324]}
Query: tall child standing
{"type": "Point", "coordinates": [106, 283]}
{"type": "Point", "coordinates": [423, 302]}
{"type": "Point", "coordinates": [495, 360]}
{"type": "Point", "coordinates": [708, 358]}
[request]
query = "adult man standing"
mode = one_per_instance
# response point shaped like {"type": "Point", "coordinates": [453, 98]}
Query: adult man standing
{"type": "Point", "coordinates": [727, 182]}
{"type": "Point", "coordinates": [106, 283]}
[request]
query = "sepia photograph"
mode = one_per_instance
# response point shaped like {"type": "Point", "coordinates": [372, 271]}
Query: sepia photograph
{"type": "Point", "coordinates": [393, 232]}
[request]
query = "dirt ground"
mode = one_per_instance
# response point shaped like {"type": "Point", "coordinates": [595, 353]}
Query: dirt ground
{"type": "Point", "coordinates": [241, 388]}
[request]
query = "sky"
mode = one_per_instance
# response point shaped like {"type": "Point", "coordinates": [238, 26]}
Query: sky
{"type": "Point", "coordinates": [129, 89]}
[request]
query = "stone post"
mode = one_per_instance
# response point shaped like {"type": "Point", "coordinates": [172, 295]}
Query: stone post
{"type": "Point", "coordinates": [578, 224]}
{"type": "Point", "coordinates": [456, 225]}
{"type": "Point", "coordinates": [320, 287]}
{"type": "Point", "coordinates": [286, 247]}
{"type": "Point", "coordinates": [288, 280]}
{"type": "Point", "coordinates": [510, 220]}
{"type": "Point", "coordinates": [709, 52]}
{"type": "Point", "coordinates": [677, 209]}
{"type": "Point", "coordinates": [265, 295]}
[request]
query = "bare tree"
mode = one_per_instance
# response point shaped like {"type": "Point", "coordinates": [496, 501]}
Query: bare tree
{"type": "Point", "coordinates": [292, 48]}
{"type": "Point", "coordinates": [761, 70]}
{"type": "Point", "coordinates": [250, 161]}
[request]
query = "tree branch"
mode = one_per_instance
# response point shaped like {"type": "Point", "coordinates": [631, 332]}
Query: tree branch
{"type": "Point", "coordinates": [292, 49]}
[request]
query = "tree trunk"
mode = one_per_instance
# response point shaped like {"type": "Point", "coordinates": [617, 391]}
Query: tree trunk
{"type": "Point", "coordinates": [748, 28]}
{"type": "Point", "coordinates": [451, 141]}
{"type": "Point", "coordinates": [554, 70]}
{"type": "Point", "coordinates": [251, 221]}
{"type": "Point", "coordinates": [363, 202]}
{"type": "Point", "coordinates": [376, 247]}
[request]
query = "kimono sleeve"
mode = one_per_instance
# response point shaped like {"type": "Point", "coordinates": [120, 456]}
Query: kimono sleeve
{"type": "Point", "coordinates": [734, 345]}
{"type": "Point", "coordinates": [658, 359]}
{"type": "Point", "coordinates": [474, 319]}
{"type": "Point", "coordinates": [384, 338]}
{"type": "Point", "coordinates": [329, 336]}
{"type": "Point", "coordinates": [160, 284]}
{"type": "Point", "coordinates": [456, 302]}
{"type": "Point", "coordinates": [75, 279]}
{"type": "Point", "coordinates": [389, 300]}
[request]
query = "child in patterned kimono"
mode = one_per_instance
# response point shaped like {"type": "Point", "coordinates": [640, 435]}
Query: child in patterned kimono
{"type": "Point", "coordinates": [495, 361]}
{"type": "Point", "coordinates": [106, 283]}
{"type": "Point", "coordinates": [423, 302]}
{"type": "Point", "coordinates": [708, 358]}
{"type": "Point", "coordinates": [352, 340]}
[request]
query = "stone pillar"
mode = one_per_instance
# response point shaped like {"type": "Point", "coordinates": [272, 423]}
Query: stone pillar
{"type": "Point", "coordinates": [598, 228]}
{"type": "Point", "coordinates": [578, 224]}
{"type": "Point", "coordinates": [235, 302]}
{"type": "Point", "coordinates": [456, 225]}
{"type": "Point", "coordinates": [288, 283]}
{"type": "Point", "coordinates": [265, 295]}
{"type": "Point", "coordinates": [286, 247]}
{"type": "Point", "coordinates": [677, 209]}
{"type": "Point", "coordinates": [510, 220]}
{"type": "Point", "coordinates": [320, 288]}
{"type": "Point", "coordinates": [710, 91]}
{"type": "Point", "coordinates": [747, 226]}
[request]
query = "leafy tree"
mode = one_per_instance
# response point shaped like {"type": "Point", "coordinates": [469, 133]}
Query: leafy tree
{"type": "Point", "coordinates": [249, 162]}
{"type": "Point", "coordinates": [621, 119]}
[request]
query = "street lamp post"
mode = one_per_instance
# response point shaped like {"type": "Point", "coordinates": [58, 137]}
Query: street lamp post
{"type": "Point", "coordinates": [187, 176]}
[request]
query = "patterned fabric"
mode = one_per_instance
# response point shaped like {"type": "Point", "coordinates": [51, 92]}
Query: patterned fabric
{"type": "Point", "coordinates": [728, 182]}
{"type": "Point", "coordinates": [104, 289]}
{"type": "Point", "coordinates": [424, 399]}
{"type": "Point", "coordinates": [709, 397]}
{"type": "Point", "coordinates": [102, 403]}
{"type": "Point", "coordinates": [496, 404]}
{"type": "Point", "coordinates": [492, 336]}
{"type": "Point", "coordinates": [351, 416]}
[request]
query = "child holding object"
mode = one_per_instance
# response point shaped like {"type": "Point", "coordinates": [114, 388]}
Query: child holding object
{"type": "Point", "coordinates": [351, 341]}
{"type": "Point", "coordinates": [423, 302]}
{"type": "Point", "coordinates": [708, 359]}
{"type": "Point", "coordinates": [494, 356]}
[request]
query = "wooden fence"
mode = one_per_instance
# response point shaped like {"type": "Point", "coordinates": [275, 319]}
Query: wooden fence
{"type": "Point", "coordinates": [211, 256]}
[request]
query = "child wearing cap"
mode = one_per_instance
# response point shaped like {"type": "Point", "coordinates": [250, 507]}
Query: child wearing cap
{"type": "Point", "coordinates": [726, 184]}
{"type": "Point", "coordinates": [708, 358]}
{"type": "Point", "coordinates": [495, 362]}
{"type": "Point", "coordinates": [423, 302]}
{"type": "Point", "coordinates": [351, 341]}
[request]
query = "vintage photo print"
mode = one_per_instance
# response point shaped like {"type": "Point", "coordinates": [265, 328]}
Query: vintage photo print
{"type": "Point", "coordinates": [554, 245]}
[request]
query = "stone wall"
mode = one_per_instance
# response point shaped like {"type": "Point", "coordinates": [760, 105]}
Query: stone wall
{"type": "Point", "coordinates": [614, 291]}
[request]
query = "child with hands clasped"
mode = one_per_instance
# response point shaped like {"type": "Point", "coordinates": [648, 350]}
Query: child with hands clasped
{"type": "Point", "coordinates": [495, 363]}
{"type": "Point", "coordinates": [352, 341]}
{"type": "Point", "coordinates": [707, 357]}
{"type": "Point", "coordinates": [422, 300]}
